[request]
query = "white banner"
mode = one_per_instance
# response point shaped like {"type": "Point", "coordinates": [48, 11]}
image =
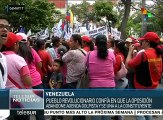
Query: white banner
{"type": "Point", "coordinates": [57, 32]}
{"type": "Point", "coordinates": [29, 33]}
{"type": "Point", "coordinates": [101, 30]}
{"type": "Point", "coordinates": [43, 34]}
{"type": "Point", "coordinates": [115, 33]}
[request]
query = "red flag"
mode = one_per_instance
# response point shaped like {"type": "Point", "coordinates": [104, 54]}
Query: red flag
{"type": "Point", "coordinates": [63, 25]}
{"type": "Point", "coordinates": [68, 16]}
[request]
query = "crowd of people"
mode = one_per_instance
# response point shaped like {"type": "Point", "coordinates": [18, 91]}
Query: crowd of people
{"type": "Point", "coordinates": [111, 64]}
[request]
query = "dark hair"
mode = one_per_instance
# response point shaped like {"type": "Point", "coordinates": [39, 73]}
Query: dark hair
{"type": "Point", "coordinates": [154, 45]}
{"type": "Point", "coordinates": [55, 40]}
{"type": "Point", "coordinates": [66, 45]}
{"type": "Point", "coordinates": [121, 46]}
{"type": "Point", "coordinates": [48, 45]}
{"type": "Point", "coordinates": [39, 44]}
{"type": "Point", "coordinates": [101, 43]}
{"type": "Point", "coordinates": [32, 41]}
{"type": "Point", "coordinates": [59, 61]}
{"type": "Point", "coordinates": [77, 38]}
{"type": "Point", "coordinates": [25, 52]}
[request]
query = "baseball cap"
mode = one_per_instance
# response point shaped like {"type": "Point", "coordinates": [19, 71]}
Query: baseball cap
{"type": "Point", "coordinates": [86, 39]}
{"type": "Point", "coordinates": [23, 35]}
{"type": "Point", "coordinates": [150, 36]}
{"type": "Point", "coordinates": [128, 40]}
{"type": "Point", "coordinates": [11, 39]}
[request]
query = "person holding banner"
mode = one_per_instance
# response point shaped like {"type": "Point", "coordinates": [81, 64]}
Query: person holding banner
{"type": "Point", "coordinates": [147, 64]}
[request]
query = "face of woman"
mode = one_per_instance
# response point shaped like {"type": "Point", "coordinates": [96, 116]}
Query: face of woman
{"type": "Point", "coordinates": [73, 44]}
{"type": "Point", "coordinates": [109, 44]}
{"type": "Point", "coordinates": [144, 44]}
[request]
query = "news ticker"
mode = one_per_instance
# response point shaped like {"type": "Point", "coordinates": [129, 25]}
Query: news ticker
{"type": "Point", "coordinates": [81, 102]}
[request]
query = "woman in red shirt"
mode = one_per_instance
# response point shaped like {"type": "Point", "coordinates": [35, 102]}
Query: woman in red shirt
{"type": "Point", "coordinates": [147, 64]}
{"type": "Point", "coordinates": [120, 56]}
{"type": "Point", "coordinates": [46, 62]}
{"type": "Point", "coordinates": [87, 44]}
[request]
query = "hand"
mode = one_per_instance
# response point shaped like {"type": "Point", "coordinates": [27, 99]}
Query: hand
{"type": "Point", "coordinates": [131, 48]}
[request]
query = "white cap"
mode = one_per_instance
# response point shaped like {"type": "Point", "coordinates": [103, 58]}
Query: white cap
{"type": "Point", "coordinates": [23, 35]}
{"type": "Point", "coordinates": [128, 40]}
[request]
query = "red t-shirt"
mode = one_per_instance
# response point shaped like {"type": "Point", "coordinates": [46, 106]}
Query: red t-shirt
{"type": "Point", "coordinates": [118, 58]}
{"type": "Point", "coordinates": [86, 48]}
{"type": "Point", "coordinates": [46, 61]}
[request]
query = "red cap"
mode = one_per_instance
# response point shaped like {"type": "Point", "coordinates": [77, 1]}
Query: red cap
{"type": "Point", "coordinates": [19, 37]}
{"type": "Point", "coordinates": [150, 36]}
{"type": "Point", "coordinates": [86, 38]}
{"type": "Point", "coordinates": [11, 39]}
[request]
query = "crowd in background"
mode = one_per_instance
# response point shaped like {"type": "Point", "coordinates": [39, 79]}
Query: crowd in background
{"type": "Point", "coordinates": [35, 63]}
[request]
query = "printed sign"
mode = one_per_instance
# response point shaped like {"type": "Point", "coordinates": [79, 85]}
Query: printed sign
{"type": "Point", "coordinates": [98, 31]}
{"type": "Point", "coordinates": [115, 33]}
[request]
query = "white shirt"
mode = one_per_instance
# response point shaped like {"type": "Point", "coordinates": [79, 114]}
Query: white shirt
{"type": "Point", "coordinates": [3, 79]}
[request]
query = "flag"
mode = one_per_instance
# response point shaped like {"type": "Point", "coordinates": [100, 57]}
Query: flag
{"type": "Point", "coordinates": [63, 24]}
{"type": "Point", "coordinates": [43, 34]}
{"type": "Point", "coordinates": [68, 16]}
{"type": "Point", "coordinates": [59, 24]}
{"type": "Point", "coordinates": [29, 33]}
{"type": "Point", "coordinates": [21, 30]}
{"type": "Point", "coordinates": [71, 19]}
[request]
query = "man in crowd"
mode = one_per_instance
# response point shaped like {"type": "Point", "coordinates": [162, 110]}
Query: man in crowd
{"type": "Point", "coordinates": [4, 27]}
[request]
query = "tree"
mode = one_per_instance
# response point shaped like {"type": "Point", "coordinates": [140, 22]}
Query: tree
{"type": "Point", "coordinates": [38, 14]}
{"type": "Point", "coordinates": [96, 12]}
{"type": "Point", "coordinates": [104, 9]}
{"type": "Point", "coordinates": [127, 5]}
{"type": "Point", "coordinates": [158, 13]}
{"type": "Point", "coordinates": [153, 20]}
{"type": "Point", "coordinates": [134, 25]}
{"type": "Point", "coordinates": [81, 10]}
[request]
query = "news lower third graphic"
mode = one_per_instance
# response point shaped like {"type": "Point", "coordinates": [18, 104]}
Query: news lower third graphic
{"type": "Point", "coordinates": [102, 102]}
{"type": "Point", "coordinates": [4, 104]}
{"type": "Point", "coordinates": [81, 102]}
{"type": "Point", "coordinates": [26, 99]}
